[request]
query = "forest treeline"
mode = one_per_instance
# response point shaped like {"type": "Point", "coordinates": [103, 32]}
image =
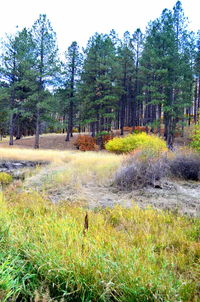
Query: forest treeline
{"type": "Point", "coordinates": [144, 79]}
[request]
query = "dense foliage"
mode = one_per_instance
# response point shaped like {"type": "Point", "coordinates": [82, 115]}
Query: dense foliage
{"type": "Point", "coordinates": [86, 143]}
{"type": "Point", "coordinates": [5, 178]}
{"type": "Point", "coordinates": [132, 142]}
{"type": "Point", "coordinates": [195, 143]}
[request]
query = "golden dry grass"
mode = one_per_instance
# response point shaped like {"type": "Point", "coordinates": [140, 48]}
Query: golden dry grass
{"type": "Point", "coordinates": [34, 155]}
{"type": "Point", "coordinates": [55, 155]}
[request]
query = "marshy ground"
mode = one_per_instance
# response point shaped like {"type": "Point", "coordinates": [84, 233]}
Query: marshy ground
{"type": "Point", "coordinates": [87, 177]}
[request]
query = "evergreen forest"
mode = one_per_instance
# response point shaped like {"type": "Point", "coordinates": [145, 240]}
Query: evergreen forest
{"type": "Point", "coordinates": [147, 79]}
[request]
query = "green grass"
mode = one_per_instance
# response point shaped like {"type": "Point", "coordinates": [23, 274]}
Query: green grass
{"type": "Point", "coordinates": [126, 254]}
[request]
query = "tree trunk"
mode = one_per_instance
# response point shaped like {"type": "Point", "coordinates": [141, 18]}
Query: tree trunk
{"type": "Point", "coordinates": [37, 132]}
{"type": "Point", "coordinates": [196, 102]}
{"type": "Point", "coordinates": [122, 115]}
{"type": "Point", "coordinates": [11, 129]}
{"type": "Point", "coordinates": [70, 122]}
{"type": "Point", "coordinates": [11, 122]}
{"type": "Point", "coordinates": [18, 134]}
{"type": "Point", "coordinates": [92, 129]}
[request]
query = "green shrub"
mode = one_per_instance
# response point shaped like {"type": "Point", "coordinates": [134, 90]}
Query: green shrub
{"type": "Point", "coordinates": [136, 141]}
{"type": "Point", "coordinates": [195, 143]}
{"type": "Point", "coordinates": [5, 178]}
{"type": "Point", "coordinates": [102, 133]}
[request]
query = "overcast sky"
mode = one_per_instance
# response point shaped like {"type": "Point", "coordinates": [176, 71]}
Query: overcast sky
{"type": "Point", "coordinates": [79, 19]}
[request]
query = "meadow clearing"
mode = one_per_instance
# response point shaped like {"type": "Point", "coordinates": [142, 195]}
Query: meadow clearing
{"type": "Point", "coordinates": [54, 247]}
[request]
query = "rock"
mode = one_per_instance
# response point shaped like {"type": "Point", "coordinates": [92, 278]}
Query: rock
{"type": "Point", "coordinates": [15, 167]}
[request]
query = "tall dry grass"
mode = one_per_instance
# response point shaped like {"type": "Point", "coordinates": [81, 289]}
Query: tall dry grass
{"type": "Point", "coordinates": [70, 168]}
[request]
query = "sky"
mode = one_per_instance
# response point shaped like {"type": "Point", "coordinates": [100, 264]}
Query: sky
{"type": "Point", "coordinates": [78, 20]}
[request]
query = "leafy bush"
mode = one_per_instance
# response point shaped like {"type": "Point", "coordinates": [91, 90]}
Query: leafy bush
{"type": "Point", "coordinates": [136, 141]}
{"type": "Point", "coordinates": [140, 170]}
{"type": "Point", "coordinates": [5, 178]}
{"type": "Point", "coordinates": [75, 130]}
{"type": "Point", "coordinates": [138, 129]}
{"type": "Point", "coordinates": [195, 143]}
{"type": "Point", "coordinates": [86, 143]}
{"type": "Point", "coordinates": [128, 129]}
{"type": "Point", "coordinates": [186, 166]}
{"type": "Point", "coordinates": [102, 133]}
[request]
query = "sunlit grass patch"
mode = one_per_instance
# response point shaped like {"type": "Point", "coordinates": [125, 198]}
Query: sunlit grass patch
{"type": "Point", "coordinates": [53, 155]}
{"type": "Point", "coordinates": [35, 155]}
{"type": "Point", "coordinates": [125, 255]}
{"type": "Point", "coordinates": [77, 169]}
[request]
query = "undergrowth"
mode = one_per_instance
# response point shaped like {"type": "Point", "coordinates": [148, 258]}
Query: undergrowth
{"type": "Point", "coordinates": [124, 255]}
{"type": "Point", "coordinates": [195, 143]}
{"type": "Point", "coordinates": [136, 141]}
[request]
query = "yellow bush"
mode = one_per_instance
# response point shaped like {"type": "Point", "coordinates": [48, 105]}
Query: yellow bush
{"type": "Point", "coordinates": [5, 178]}
{"type": "Point", "coordinates": [137, 141]}
{"type": "Point", "coordinates": [75, 130]}
{"type": "Point", "coordinates": [195, 143]}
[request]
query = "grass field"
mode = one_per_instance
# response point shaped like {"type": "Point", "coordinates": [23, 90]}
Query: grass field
{"type": "Point", "coordinates": [124, 255]}
{"type": "Point", "coordinates": [52, 252]}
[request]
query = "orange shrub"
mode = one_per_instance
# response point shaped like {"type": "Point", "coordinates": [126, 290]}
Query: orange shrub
{"type": "Point", "coordinates": [86, 143]}
{"type": "Point", "coordinates": [128, 129]}
{"type": "Point", "coordinates": [141, 129]}
{"type": "Point", "coordinates": [116, 132]}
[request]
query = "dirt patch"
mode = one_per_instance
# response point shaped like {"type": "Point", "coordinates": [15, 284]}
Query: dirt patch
{"type": "Point", "coordinates": [179, 196]}
{"type": "Point", "coordinates": [51, 141]}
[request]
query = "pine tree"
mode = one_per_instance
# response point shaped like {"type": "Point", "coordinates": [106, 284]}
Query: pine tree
{"type": "Point", "coordinates": [72, 76]}
{"type": "Point", "coordinates": [137, 108]}
{"type": "Point", "coordinates": [197, 80]}
{"type": "Point", "coordinates": [97, 84]}
{"type": "Point", "coordinates": [16, 71]}
{"type": "Point", "coordinates": [4, 109]}
{"type": "Point", "coordinates": [167, 69]}
{"type": "Point", "coordinates": [46, 65]}
{"type": "Point", "coordinates": [126, 79]}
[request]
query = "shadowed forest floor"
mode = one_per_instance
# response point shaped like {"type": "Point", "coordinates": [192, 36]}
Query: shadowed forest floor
{"type": "Point", "coordinates": [57, 142]}
{"type": "Point", "coordinates": [47, 141]}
